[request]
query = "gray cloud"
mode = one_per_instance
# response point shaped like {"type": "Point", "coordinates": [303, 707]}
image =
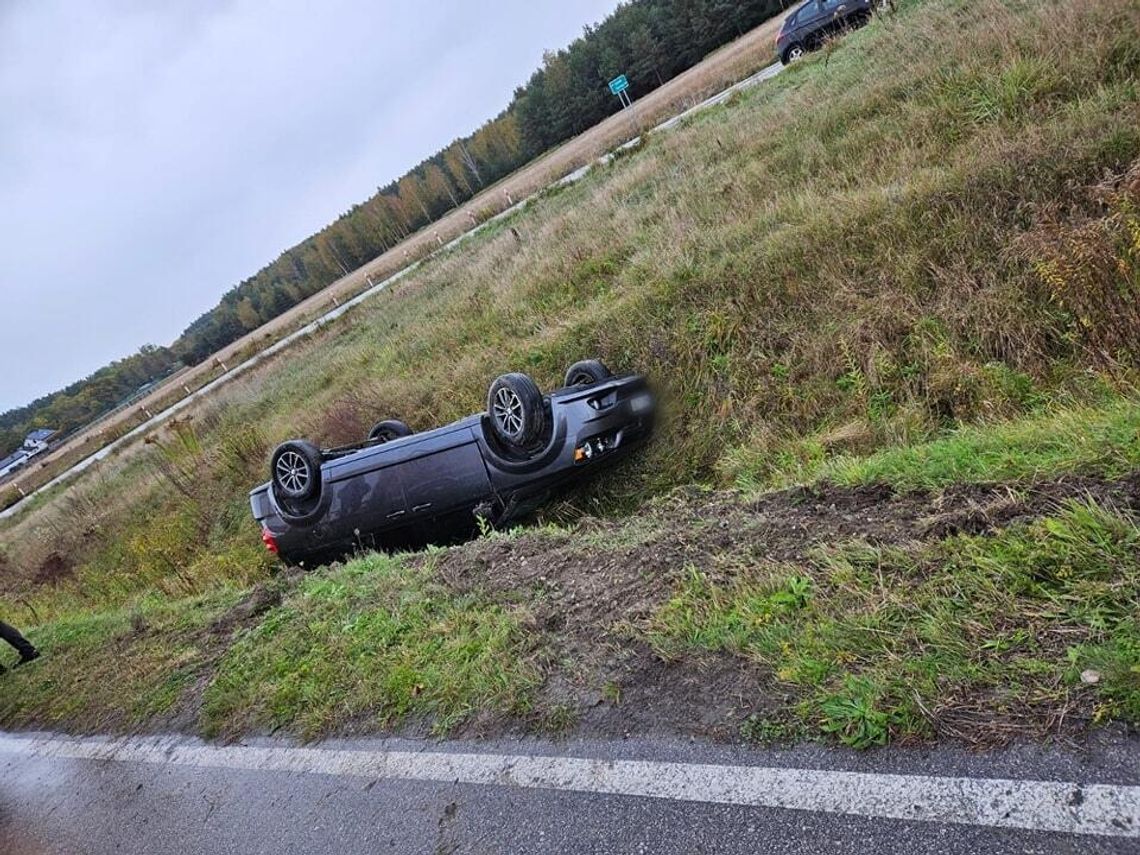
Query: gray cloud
{"type": "Point", "coordinates": [153, 155]}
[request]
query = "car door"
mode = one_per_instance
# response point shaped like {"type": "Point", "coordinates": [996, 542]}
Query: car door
{"type": "Point", "coordinates": [833, 15]}
{"type": "Point", "coordinates": [367, 502]}
{"type": "Point", "coordinates": [808, 21]}
{"type": "Point", "coordinates": [446, 480]}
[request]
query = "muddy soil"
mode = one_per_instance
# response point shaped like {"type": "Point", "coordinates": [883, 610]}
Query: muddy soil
{"type": "Point", "coordinates": [590, 587]}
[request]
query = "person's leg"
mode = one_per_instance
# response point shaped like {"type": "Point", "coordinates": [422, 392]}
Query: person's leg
{"type": "Point", "coordinates": [23, 646]}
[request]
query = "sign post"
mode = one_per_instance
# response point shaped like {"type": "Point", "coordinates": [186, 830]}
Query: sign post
{"type": "Point", "coordinates": [618, 86]}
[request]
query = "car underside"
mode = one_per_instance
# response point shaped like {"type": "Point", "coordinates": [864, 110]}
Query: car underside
{"type": "Point", "coordinates": [399, 489]}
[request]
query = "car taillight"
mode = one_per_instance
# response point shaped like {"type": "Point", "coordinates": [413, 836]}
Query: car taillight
{"type": "Point", "coordinates": [269, 541]}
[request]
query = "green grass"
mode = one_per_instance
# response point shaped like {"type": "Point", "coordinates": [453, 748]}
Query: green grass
{"type": "Point", "coordinates": [373, 642]}
{"type": "Point", "coordinates": [972, 637]}
{"type": "Point", "coordinates": [1087, 439]}
{"type": "Point", "coordinates": [1102, 441]}
{"type": "Point", "coordinates": [113, 670]}
{"type": "Point", "coordinates": [369, 643]}
{"type": "Point", "coordinates": [901, 643]}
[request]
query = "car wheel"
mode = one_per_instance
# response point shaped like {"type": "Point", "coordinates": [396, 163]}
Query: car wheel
{"type": "Point", "coordinates": [388, 430]}
{"type": "Point", "coordinates": [586, 372]}
{"type": "Point", "coordinates": [792, 54]}
{"type": "Point", "coordinates": [514, 405]}
{"type": "Point", "coordinates": [295, 470]}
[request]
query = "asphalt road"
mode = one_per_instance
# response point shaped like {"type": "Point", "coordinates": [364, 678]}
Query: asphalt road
{"type": "Point", "coordinates": [181, 796]}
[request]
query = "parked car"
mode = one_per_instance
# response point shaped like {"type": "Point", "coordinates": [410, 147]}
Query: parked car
{"type": "Point", "coordinates": [814, 21]}
{"type": "Point", "coordinates": [400, 488]}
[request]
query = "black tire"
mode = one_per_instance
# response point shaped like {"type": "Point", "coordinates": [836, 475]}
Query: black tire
{"type": "Point", "coordinates": [792, 53]}
{"type": "Point", "coordinates": [388, 430]}
{"type": "Point", "coordinates": [516, 410]}
{"type": "Point", "coordinates": [586, 372]}
{"type": "Point", "coordinates": [295, 470]}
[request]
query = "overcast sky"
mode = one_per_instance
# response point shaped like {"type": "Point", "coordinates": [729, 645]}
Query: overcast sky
{"type": "Point", "coordinates": [154, 154]}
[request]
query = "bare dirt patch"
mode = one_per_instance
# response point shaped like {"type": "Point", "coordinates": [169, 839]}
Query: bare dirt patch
{"type": "Point", "coordinates": [588, 588]}
{"type": "Point", "coordinates": [52, 570]}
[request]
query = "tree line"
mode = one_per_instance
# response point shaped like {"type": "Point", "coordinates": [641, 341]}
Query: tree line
{"type": "Point", "coordinates": [85, 400]}
{"type": "Point", "coordinates": [650, 41]}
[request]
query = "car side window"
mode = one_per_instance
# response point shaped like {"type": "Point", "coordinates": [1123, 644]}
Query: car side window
{"type": "Point", "coordinates": [830, 6]}
{"type": "Point", "coordinates": [807, 12]}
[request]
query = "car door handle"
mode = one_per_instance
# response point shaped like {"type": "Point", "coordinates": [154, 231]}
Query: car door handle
{"type": "Point", "coordinates": [395, 514]}
{"type": "Point", "coordinates": [422, 507]}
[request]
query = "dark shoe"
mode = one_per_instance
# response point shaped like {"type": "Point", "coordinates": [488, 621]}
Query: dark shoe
{"type": "Point", "coordinates": [26, 658]}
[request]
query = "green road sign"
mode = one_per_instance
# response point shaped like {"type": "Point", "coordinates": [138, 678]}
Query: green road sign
{"type": "Point", "coordinates": [619, 84]}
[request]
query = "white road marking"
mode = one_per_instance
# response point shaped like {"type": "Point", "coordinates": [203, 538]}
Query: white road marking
{"type": "Point", "coordinates": [1057, 806]}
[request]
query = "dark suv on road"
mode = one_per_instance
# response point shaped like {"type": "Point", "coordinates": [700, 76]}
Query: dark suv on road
{"type": "Point", "coordinates": [808, 26]}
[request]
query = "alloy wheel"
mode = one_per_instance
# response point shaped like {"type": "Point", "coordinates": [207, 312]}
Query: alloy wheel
{"type": "Point", "coordinates": [293, 472]}
{"type": "Point", "coordinates": [508, 411]}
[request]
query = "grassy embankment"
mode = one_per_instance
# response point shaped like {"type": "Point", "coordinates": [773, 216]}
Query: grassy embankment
{"type": "Point", "coordinates": [713, 74]}
{"type": "Point", "coordinates": [910, 261]}
{"type": "Point", "coordinates": [981, 637]}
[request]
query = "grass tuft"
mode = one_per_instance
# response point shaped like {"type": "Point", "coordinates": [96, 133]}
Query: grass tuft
{"type": "Point", "coordinates": [1103, 441]}
{"type": "Point", "coordinates": [907, 643]}
{"type": "Point", "coordinates": [375, 640]}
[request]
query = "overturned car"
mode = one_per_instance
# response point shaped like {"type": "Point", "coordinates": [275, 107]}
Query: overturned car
{"type": "Point", "coordinates": [400, 488]}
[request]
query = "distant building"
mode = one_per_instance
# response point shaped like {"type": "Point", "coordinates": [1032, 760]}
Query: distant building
{"type": "Point", "coordinates": [12, 462]}
{"type": "Point", "coordinates": [37, 440]}
{"type": "Point", "coordinates": [35, 443]}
